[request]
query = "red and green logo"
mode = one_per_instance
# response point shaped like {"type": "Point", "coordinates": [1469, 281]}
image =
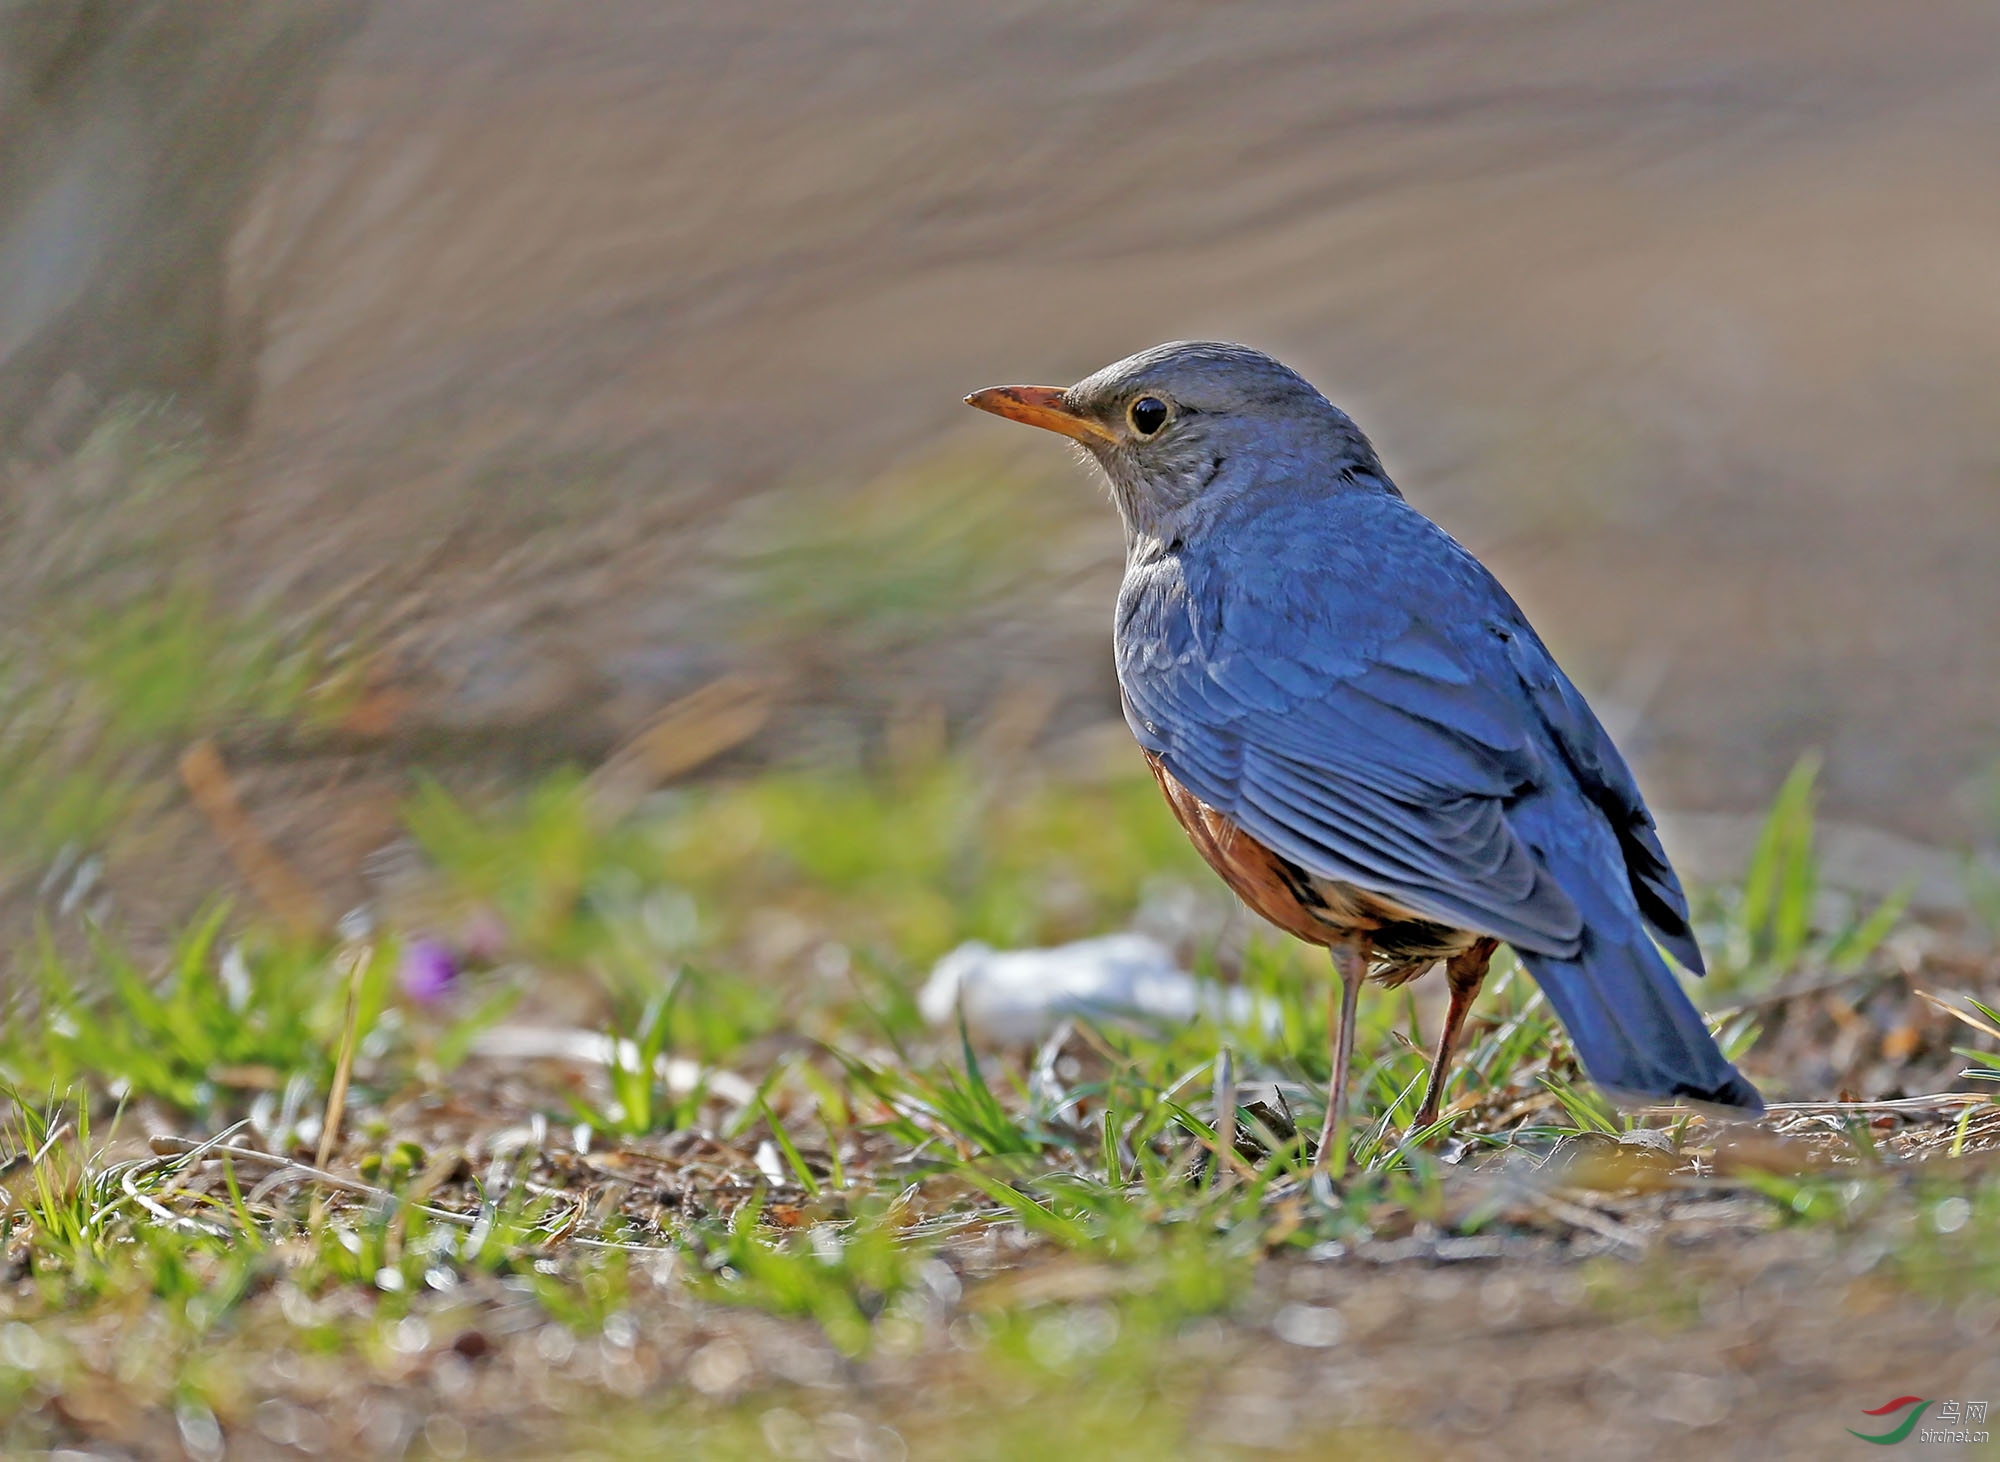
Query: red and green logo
{"type": "Point", "coordinates": [1902, 1429]}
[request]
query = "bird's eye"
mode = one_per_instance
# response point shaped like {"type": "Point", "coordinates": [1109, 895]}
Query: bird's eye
{"type": "Point", "coordinates": [1149, 414]}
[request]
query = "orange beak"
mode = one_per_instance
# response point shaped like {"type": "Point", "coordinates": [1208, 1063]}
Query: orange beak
{"type": "Point", "coordinates": [1041, 406]}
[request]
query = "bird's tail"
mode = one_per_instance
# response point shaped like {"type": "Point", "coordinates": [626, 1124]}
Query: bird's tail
{"type": "Point", "coordinates": [1633, 1025]}
{"type": "Point", "coordinates": [1635, 1028]}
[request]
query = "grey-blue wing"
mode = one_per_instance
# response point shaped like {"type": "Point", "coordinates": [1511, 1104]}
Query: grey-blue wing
{"type": "Point", "coordinates": [1603, 777]}
{"type": "Point", "coordinates": [1372, 716]}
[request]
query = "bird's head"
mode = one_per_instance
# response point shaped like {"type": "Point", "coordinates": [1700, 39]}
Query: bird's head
{"type": "Point", "coordinates": [1185, 428]}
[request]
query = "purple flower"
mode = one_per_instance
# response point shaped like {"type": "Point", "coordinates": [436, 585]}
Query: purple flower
{"type": "Point", "coordinates": [428, 970]}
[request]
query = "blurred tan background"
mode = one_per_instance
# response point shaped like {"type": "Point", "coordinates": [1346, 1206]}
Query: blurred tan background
{"type": "Point", "coordinates": [582, 347]}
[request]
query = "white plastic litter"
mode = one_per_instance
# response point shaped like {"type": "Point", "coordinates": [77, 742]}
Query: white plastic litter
{"type": "Point", "coordinates": [1022, 994]}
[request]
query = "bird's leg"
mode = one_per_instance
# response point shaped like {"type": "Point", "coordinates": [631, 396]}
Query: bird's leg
{"type": "Point", "coordinates": [1465, 972]}
{"type": "Point", "coordinates": [1350, 960]}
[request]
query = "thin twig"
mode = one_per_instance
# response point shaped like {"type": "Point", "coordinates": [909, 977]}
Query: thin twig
{"type": "Point", "coordinates": [270, 877]}
{"type": "Point", "coordinates": [1225, 1114]}
{"type": "Point", "coordinates": [1577, 1216]}
{"type": "Point", "coordinates": [129, 1174]}
{"type": "Point", "coordinates": [336, 1099]}
{"type": "Point", "coordinates": [1935, 1102]}
{"type": "Point", "coordinates": [1939, 1101]}
{"type": "Point", "coordinates": [1984, 1027]}
{"type": "Point", "coordinates": [302, 1172]}
{"type": "Point", "coordinates": [696, 728]}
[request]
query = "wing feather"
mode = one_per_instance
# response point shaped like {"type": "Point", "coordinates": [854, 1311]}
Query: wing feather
{"type": "Point", "coordinates": [1375, 719]}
